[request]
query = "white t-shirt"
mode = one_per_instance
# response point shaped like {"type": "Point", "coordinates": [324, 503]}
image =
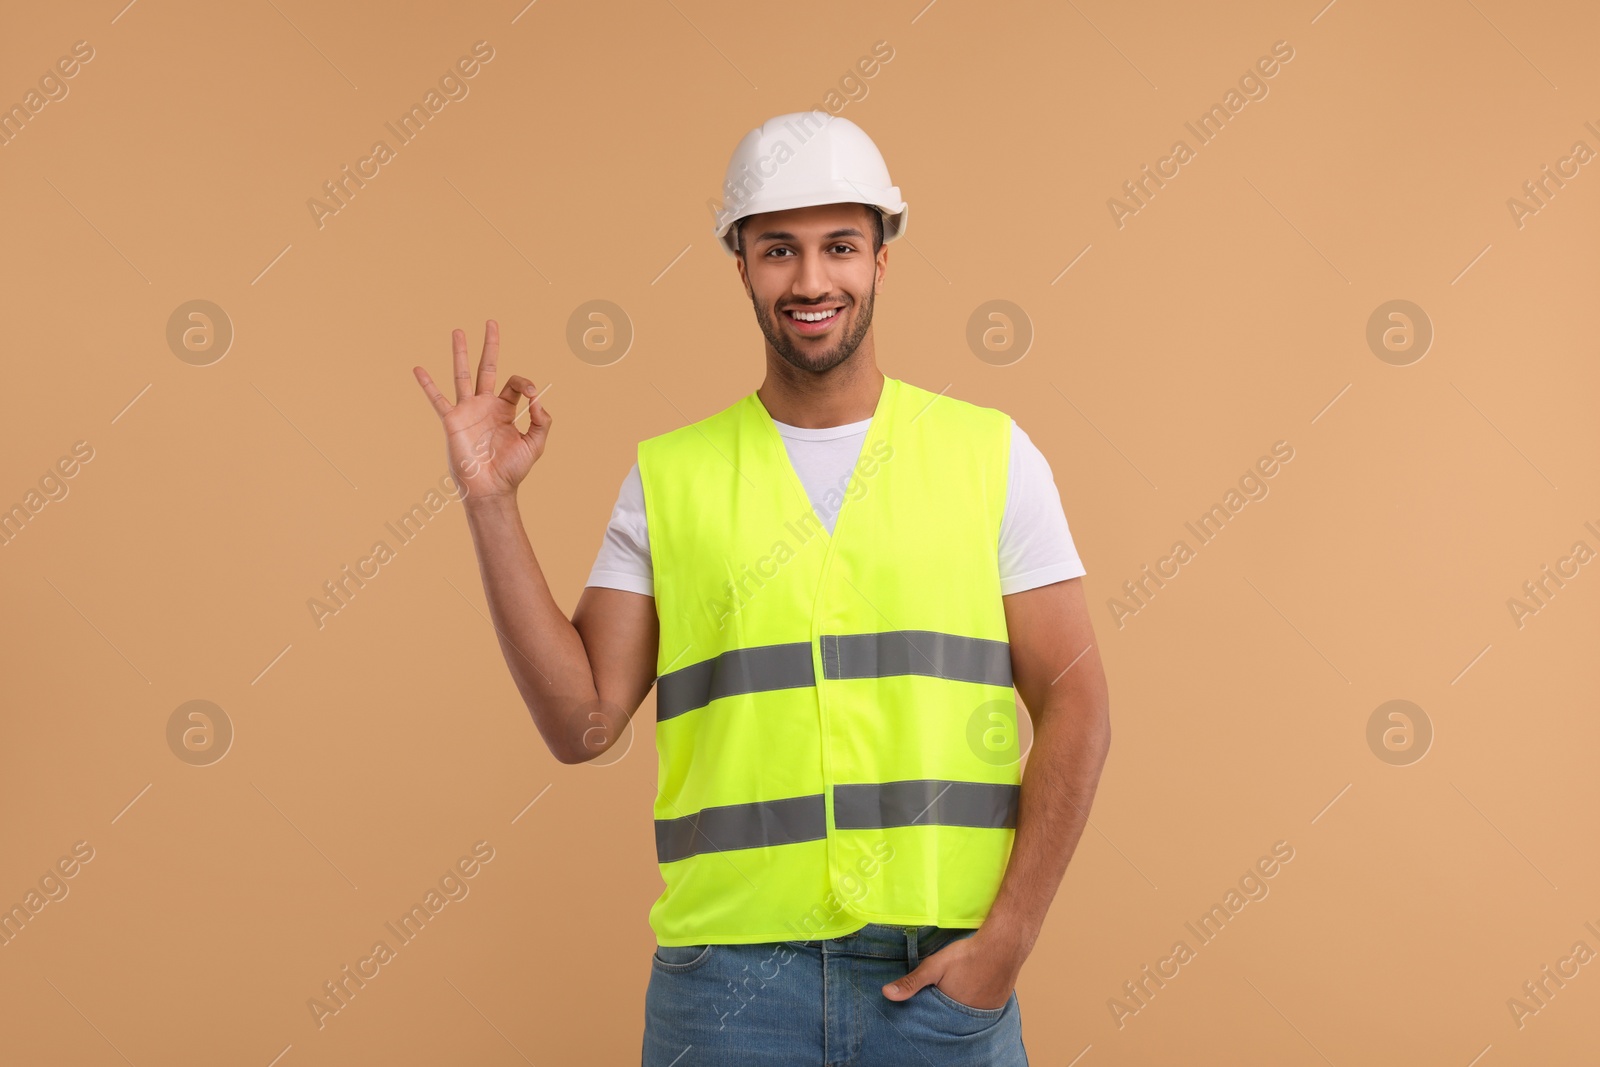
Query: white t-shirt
{"type": "Point", "coordinates": [1035, 545]}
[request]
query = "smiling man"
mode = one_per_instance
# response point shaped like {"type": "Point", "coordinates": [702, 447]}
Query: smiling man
{"type": "Point", "coordinates": [855, 865]}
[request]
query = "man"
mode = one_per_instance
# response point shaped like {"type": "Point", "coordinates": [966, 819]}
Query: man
{"type": "Point", "coordinates": [837, 584]}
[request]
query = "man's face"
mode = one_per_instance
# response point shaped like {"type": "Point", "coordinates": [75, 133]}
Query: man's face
{"type": "Point", "coordinates": [809, 260]}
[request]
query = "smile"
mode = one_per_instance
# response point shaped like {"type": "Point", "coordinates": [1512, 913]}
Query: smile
{"type": "Point", "coordinates": [812, 322]}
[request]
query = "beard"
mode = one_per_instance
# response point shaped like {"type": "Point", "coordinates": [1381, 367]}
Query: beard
{"type": "Point", "coordinates": [821, 356]}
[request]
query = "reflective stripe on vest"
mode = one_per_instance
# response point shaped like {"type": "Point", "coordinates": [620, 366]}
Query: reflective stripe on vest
{"type": "Point", "coordinates": [752, 670]}
{"type": "Point", "coordinates": [972, 659]}
{"type": "Point", "coordinates": [783, 822]}
{"type": "Point", "coordinates": [834, 709]}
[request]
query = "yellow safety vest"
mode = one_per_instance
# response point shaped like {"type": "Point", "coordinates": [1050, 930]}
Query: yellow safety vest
{"type": "Point", "coordinates": [835, 719]}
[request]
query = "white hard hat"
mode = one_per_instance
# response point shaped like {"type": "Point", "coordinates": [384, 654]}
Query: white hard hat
{"type": "Point", "coordinates": [803, 159]}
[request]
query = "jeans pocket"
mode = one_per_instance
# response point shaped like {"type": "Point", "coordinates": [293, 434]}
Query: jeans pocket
{"type": "Point", "coordinates": [982, 1013]}
{"type": "Point", "coordinates": [679, 959]}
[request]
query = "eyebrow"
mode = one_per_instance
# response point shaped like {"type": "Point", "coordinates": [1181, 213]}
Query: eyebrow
{"type": "Point", "coordinates": [783, 235]}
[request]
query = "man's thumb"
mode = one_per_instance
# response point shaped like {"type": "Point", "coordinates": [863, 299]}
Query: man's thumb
{"type": "Point", "coordinates": [903, 988]}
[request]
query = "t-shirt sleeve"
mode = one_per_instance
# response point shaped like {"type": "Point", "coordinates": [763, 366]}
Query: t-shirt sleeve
{"type": "Point", "coordinates": [1035, 544]}
{"type": "Point", "coordinates": [624, 558]}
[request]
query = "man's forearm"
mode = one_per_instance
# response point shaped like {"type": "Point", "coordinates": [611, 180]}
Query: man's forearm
{"type": "Point", "coordinates": [542, 648]}
{"type": "Point", "coordinates": [1058, 787]}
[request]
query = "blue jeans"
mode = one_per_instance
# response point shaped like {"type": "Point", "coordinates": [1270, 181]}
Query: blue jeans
{"type": "Point", "coordinates": [818, 1004]}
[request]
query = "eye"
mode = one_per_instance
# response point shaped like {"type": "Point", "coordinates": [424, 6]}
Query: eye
{"type": "Point", "coordinates": [778, 248]}
{"type": "Point", "coordinates": [846, 246]}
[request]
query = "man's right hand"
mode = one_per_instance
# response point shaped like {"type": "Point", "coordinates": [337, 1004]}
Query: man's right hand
{"type": "Point", "coordinates": [488, 454]}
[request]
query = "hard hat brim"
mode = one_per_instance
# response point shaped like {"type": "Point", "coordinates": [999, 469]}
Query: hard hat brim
{"type": "Point", "coordinates": [886, 201]}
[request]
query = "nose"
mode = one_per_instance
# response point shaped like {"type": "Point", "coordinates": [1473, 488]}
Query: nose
{"type": "Point", "coordinates": [811, 282]}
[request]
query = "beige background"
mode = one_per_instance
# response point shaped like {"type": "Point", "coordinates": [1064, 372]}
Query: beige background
{"type": "Point", "coordinates": [1231, 312]}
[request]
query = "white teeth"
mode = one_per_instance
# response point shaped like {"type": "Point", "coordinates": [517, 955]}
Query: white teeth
{"type": "Point", "coordinates": [814, 316]}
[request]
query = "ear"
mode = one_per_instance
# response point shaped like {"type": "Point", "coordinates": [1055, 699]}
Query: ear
{"type": "Point", "coordinates": [744, 277]}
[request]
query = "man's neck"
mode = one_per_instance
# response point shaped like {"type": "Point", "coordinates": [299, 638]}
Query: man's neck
{"type": "Point", "coordinates": [848, 393]}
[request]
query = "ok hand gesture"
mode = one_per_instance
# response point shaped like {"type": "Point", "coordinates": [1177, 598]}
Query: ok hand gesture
{"type": "Point", "coordinates": [488, 454]}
